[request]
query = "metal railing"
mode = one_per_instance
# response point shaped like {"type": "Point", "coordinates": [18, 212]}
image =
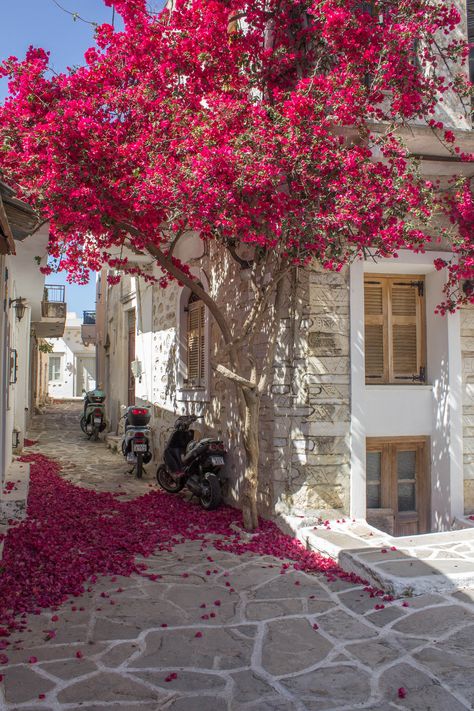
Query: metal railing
{"type": "Point", "coordinates": [88, 318]}
{"type": "Point", "coordinates": [54, 293]}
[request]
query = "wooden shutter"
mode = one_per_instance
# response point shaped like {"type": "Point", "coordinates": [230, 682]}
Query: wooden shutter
{"type": "Point", "coordinates": [376, 368]}
{"type": "Point", "coordinates": [202, 344]}
{"type": "Point", "coordinates": [394, 329]}
{"type": "Point", "coordinates": [196, 346]}
{"type": "Point", "coordinates": [406, 332]}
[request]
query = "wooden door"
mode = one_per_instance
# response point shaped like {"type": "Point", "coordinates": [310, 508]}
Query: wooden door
{"type": "Point", "coordinates": [131, 356]}
{"type": "Point", "coordinates": [398, 490]}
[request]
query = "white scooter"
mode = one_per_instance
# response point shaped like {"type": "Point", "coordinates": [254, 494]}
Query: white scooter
{"type": "Point", "coordinates": [136, 442]}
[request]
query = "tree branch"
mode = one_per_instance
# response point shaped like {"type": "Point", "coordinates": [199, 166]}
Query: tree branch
{"type": "Point", "coordinates": [243, 382]}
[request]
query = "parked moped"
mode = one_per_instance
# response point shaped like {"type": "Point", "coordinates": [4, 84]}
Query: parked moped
{"type": "Point", "coordinates": [198, 465]}
{"type": "Point", "coordinates": [93, 418]}
{"type": "Point", "coordinates": [136, 442]}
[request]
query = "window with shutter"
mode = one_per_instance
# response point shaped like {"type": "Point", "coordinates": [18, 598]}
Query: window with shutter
{"type": "Point", "coordinates": [470, 36]}
{"type": "Point", "coordinates": [394, 329]}
{"type": "Point", "coordinates": [196, 345]}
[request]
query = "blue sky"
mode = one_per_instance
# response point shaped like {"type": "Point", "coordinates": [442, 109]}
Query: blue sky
{"type": "Point", "coordinates": [42, 23]}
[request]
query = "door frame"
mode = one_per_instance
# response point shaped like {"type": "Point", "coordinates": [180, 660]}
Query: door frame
{"type": "Point", "coordinates": [389, 446]}
{"type": "Point", "coordinates": [131, 318]}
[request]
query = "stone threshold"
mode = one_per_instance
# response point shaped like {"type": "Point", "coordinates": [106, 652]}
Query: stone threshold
{"type": "Point", "coordinates": [407, 565]}
{"type": "Point", "coordinates": [14, 496]}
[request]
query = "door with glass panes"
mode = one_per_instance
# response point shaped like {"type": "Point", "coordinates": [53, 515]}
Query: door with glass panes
{"type": "Point", "coordinates": [398, 484]}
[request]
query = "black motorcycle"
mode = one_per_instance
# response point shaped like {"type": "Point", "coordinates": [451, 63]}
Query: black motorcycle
{"type": "Point", "coordinates": [197, 464]}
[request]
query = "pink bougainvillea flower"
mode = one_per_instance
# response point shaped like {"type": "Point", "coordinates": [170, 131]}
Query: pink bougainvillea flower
{"type": "Point", "coordinates": [32, 660]}
{"type": "Point", "coordinates": [79, 654]}
{"type": "Point", "coordinates": [198, 634]}
{"type": "Point", "coordinates": [402, 692]}
{"type": "Point", "coordinates": [3, 659]}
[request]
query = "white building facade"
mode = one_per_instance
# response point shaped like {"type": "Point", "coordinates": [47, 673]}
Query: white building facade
{"type": "Point", "coordinates": [71, 366]}
{"type": "Point", "coordinates": [26, 318]}
{"type": "Point", "coordinates": [371, 407]}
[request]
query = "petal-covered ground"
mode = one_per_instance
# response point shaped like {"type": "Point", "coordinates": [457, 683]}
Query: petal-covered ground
{"type": "Point", "coordinates": [73, 534]}
{"type": "Point", "coordinates": [182, 611]}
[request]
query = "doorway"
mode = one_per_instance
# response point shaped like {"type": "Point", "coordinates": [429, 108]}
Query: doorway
{"type": "Point", "coordinates": [131, 322]}
{"type": "Point", "coordinates": [398, 490]}
{"type": "Point", "coordinates": [85, 374]}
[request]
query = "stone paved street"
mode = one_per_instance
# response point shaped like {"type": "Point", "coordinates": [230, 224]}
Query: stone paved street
{"type": "Point", "coordinates": [221, 632]}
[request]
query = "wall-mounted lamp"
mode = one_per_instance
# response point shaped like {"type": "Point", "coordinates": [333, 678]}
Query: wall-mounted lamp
{"type": "Point", "coordinates": [15, 439]}
{"type": "Point", "coordinates": [19, 306]}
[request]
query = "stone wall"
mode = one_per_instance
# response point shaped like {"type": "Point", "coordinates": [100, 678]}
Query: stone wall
{"type": "Point", "coordinates": [304, 426]}
{"type": "Point", "coordinates": [467, 348]}
{"type": "Point", "coordinates": [311, 400]}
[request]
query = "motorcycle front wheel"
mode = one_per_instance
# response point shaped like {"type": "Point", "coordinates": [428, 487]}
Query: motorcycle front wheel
{"type": "Point", "coordinates": [211, 494]}
{"type": "Point", "coordinates": [139, 466]}
{"type": "Point", "coordinates": [166, 481]}
{"type": "Point", "coordinates": [83, 424]}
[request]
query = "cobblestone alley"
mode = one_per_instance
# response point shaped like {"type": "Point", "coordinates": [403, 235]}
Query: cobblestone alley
{"type": "Point", "coordinates": [184, 642]}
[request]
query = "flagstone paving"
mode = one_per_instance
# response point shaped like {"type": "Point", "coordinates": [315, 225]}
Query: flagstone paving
{"type": "Point", "coordinates": [245, 637]}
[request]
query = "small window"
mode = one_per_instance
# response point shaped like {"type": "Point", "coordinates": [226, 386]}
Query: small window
{"type": "Point", "coordinates": [196, 343]}
{"type": "Point", "coordinates": [397, 484]}
{"type": "Point", "coordinates": [394, 308]}
{"type": "Point", "coordinates": [54, 367]}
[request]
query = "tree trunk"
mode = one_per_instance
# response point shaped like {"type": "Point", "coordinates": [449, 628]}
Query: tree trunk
{"type": "Point", "coordinates": [252, 451]}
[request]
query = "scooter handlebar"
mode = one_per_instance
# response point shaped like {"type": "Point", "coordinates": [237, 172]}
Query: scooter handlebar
{"type": "Point", "coordinates": [187, 420]}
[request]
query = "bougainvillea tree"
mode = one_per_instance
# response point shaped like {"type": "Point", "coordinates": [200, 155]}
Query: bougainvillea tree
{"type": "Point", "coordinates": [266, 126]}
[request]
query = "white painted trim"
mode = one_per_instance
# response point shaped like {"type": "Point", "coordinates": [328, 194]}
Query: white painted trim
{"type": "Point", "coordinates": [357, 429]}
{"type": "Point", "coordinates": [442, 399]}
{"type": "Point", "coordinates": [455, 414]}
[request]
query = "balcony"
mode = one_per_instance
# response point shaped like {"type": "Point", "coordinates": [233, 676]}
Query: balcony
{"type": "Point", "coordinates": [88, 328]}
{"type": "Point", "coordinates": [53, 312]}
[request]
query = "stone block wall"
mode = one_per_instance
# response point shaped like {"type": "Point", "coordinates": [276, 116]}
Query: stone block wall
{"type": "Point", "coordinates": [304, 426]}
{"type": "Point", "coordinates": [467, 349]}
{"type": "Point", "coordinates": [311, 442]}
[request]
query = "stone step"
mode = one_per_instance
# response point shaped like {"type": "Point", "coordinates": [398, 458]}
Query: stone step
{"type": "Point", "coordinates": [113, 442]}
{"type": "Point", "coordinates": [409, 565]}
{"type": "Point", "coordinates": [14, 495]}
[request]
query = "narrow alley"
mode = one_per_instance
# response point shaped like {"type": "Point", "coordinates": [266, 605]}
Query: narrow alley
{"type": "Point", "coordinates": [203, 627]}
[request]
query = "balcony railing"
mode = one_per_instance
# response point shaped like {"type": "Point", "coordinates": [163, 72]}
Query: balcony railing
{"type": "Point", "coordinates": [88, 318]}
{"type": "Point", "coordinates": [89, 329]}
{"type": "Point", "coordinates": [54, 293]}
{"type": "Point", "coordinates": [53, 305]}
